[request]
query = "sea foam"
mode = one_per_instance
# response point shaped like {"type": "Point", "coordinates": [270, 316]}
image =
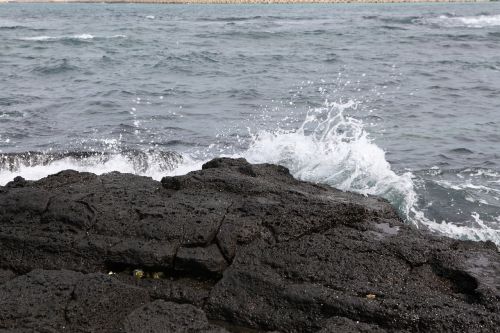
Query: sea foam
{"type": "Point", "coordinates": [151, 164]}
{"type": "Point", "coordinates": [330, 147]}
{"type": "Point", "coordinates": [47, 38]}
{"type": "Point", "coordinates": [480, 21]}
{"type": "Point", "coordinates": [333, 148]}
{"type": "Point", "coordinates": [69, 37]}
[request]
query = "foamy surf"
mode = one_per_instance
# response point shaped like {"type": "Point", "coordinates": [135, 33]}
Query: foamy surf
{"type": "Point", "coordinates": [334, 148]}
{"type": "Point", "coordinates": [479, 231]}
{"type": "Point", "coordinates": [34, 166]}
{"type": "Point", "coordinates": [68, 37]}
{"type": "Point", "coordinates": [480, 21]}
{"type": "Point", "coordinates": [330, 147]}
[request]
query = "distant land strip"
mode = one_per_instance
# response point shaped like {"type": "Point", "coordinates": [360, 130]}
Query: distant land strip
{"type": "Point", "coordinates": [234, 1]}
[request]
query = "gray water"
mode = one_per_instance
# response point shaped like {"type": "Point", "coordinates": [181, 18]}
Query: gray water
{"type": "Point", "coordinates": [324, 89]}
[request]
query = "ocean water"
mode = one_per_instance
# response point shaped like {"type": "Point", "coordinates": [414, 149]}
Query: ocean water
{"type": "Point", "coordinates": [396, 100]}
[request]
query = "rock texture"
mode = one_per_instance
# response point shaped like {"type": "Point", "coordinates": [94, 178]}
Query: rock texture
{"type": "Point", "coordinates": [233, 247]}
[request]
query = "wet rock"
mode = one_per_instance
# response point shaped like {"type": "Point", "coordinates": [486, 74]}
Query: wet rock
{"type": "Point", "coordinates": [233, 246]}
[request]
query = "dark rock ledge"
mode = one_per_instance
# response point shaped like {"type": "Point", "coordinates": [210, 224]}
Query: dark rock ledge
{"type": "Point", "coordinates": [234, 247]}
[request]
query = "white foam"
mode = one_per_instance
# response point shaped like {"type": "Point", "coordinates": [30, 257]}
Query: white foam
{"type": "Point", "coordinates": [99, 166]}
{"type": "Point", "coordinates": [78, 37]}
{"type": "Point", "coordinates": [330, 147]}
{"type": "Point", "coordinates": [480, 21]}
{"type": "Point", "coordinates": [38, 38]}
{"type": "Point", "coordinates": [83, 36]}
{"type": "Point", "coordinates": [478, 232]}
{"type": "Point", "coordinates": [334, 149]}
{"type": "Point", "coordinates": [467, 184]}
{"type": "Point", "coordinates": [47, 38]}
{"type": "Point", "coordinates": [34, 172]}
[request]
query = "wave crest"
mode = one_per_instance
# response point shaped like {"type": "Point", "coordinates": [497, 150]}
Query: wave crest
{"type": "Point", "coordinates": [79, 37]}
{"type": "Point", "coordinates": [333, 148]}
{"type": "Point", "coordinates": [36, 165]}
{"type": "Point", "coordinates": [480, 21]}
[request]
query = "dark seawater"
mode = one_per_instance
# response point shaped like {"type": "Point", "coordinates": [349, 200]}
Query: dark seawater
{"type": "Point", "coordinates": [398, 100]}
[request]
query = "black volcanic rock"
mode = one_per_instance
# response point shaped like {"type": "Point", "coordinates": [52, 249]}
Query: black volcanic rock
{"type": "Point", "coordinates": [66, 300]}
{"type": "Point", "coordinates": [161, 316]}
{"type": "Point", "coordinates": [233, 247]}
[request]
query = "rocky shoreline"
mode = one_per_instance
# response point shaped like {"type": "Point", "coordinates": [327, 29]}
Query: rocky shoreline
{"type": "Point", "coordinates": [234, 247]}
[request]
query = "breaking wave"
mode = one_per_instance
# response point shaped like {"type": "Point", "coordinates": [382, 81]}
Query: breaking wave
{"type": "Point", "coordinates": [333, 148]}
{"type": "Point", "coordinates": [36, 165]}
{"type": "Point", "coordinates": [81, 37]}
{"type": "Point", "coordinates": [480, 21]}
{"type": "Point", "coordinates": [330, 147]}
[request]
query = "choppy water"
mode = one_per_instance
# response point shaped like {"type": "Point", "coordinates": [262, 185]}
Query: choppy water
{"type": "Point", "coordinates": [397, 100]}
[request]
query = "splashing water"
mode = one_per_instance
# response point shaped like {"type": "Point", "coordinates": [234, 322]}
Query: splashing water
{"type": "Point", "coordinates": [480, 21]}
{"type": "Point", "coordinates": [478, 232]}
{"type": "Point", "coordinates": [330, 147]}
{"type": "Point", "coordinates": [32, 165]}
{"type": "Point", "coordinates": [68, 37]}
{"type": "Point", "coordinates": [333, 148]}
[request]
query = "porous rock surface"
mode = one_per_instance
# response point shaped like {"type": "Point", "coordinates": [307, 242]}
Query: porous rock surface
{"type": "Point", "coordinates": [233, 247]}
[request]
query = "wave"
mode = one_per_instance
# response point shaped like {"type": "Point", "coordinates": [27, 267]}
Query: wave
{"type": "Point", "coordinates": [21, 27]}
{"type": "Point", "coordinates": [236, 18]}
{"type": "Point", "coordinates": [48, 38]}
{"type": "Point", "coordinates": [13, 27]}
{"type": "Point", "coordinates": [55, 67]}
{"type": "Point", "coordinates": [330, 147]}
{"type": "Point", "coordinates": [463, 204]}
{"type": "Point", "coordinates": [479, 231]}
{"type": "Point", "coordinates": [333, 148]}
{"type": "Point", "coordinates": [9, 24]}
{"type": "Point", "coordinates": [36, 165]}
{"type": "Point", "coordinates": [10, 114]}
{"type": "Point", "coordinates": [480, 21]}
{"type": "Point", "coordinates": [399, 20]}
{"type": "Point", "coordinates": [80, 37]}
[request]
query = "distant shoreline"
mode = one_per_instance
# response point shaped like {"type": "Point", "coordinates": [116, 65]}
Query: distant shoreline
{"type": "Point", "coordinates": [240, 1]}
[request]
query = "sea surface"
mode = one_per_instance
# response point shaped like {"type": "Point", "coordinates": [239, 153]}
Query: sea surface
{"type": "Point", "coordinates": [396, 100]}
